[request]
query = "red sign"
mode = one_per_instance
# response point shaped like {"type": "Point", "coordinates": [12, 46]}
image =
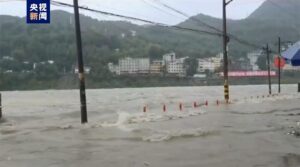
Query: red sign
{"type": "Point", "coordinates": [279, 62]}
{"type": "Point", "coordinates": [250, 74]}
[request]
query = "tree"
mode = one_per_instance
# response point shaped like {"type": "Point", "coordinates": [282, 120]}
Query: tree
{"type": "Point", "coordinates": [155, 52]}
{"type": "Point", "coordinates": [191, 65]}
{"type": "Point", "coordinates": [262, 62]}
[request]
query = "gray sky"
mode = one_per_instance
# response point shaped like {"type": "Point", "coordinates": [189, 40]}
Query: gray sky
{"type": "Point", "coordinates": [238, 9]}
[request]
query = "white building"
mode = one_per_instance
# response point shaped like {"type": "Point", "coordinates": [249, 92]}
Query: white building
{"type": "Point", "coordinates": [87, 70]}
{"type": "Point", "coordinates": [156, 67]}
{"type": "Point", "coordinates": [143, 65]}
{"type": "Point", "coordinates": [253, 57]}
{"type": "Point", "coordinates": [205, 64]}
{"type": "Point", "coordinates": [177, 68]}
{"type": "Point", "coordinates": [170, 57]}
{"type": "Point", "coordinates": [130, 66]}
{"type": "Point", "coordinates": [210, 64]}
{"type": "Point", "coordinates": [114, 68]}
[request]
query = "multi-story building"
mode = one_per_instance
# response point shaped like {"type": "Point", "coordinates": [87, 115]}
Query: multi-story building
{"type": "Point", "coordinates": [210, 64]}
{"type": "Point", "coordinates": [156, 67]}
{"type": "Point", "coordinates": [130, 66]}
{"type": "Point", "coordinates": [205, 64]}
{"type": "Point", "coordinates": [170, 57]}
{"type": "Point", "coordinates": [177, 68]}
{"type": "Point", "coordinates": [135, 66]}
{"type": "Point", "coordinates": [143, 65]}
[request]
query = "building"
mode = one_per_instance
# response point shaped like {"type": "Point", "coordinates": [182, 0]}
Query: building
{"type": "Point", "coordinates": [210, 64]}
{"type": "Point", "coordinates": [130, 66]}
{"type": "Point", "coordinates": [170, 57]}
{"type": "Point", "coordinates": [87, 70]}
{"type": "Point", "coordinates": [156, 67]}
{"type": "Point", "coordinates": [143, 65]}
{"type": "Point", "coordinates": [176, 68]}
{"type": "Point", "coordinates": [253, 57]}
{"type": "Point", "coordinates": [115, 69]}
{"type": "Point", "coordinates": [205, 65]}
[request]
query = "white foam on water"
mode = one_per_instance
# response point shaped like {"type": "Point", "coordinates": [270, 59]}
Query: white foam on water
{"type": "Point", "coordinates": [125, 118]}
{"type": "Point", "coordinates": [160, 136]}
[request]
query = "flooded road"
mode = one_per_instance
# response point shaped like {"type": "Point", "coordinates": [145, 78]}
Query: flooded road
{"type": "Point", "coordinates": [42, 128]}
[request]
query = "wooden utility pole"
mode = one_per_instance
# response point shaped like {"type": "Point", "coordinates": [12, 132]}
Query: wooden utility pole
{"type": "Point", "coordinates": [83, 107]}
{"type": "Point", "coordinates": [269, 69]}
{"type": "Point", "coordinates": [279, 65]}
{"type": "Point", "coordinates": [225, 50]}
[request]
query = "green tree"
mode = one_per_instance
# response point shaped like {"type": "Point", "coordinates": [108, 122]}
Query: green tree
{"type": "Point", "coordinates": [191, 65]}
{"type": "Point", "coordinates": [155, 52]}
{"type": "Point", "coordinates": [262, 62]}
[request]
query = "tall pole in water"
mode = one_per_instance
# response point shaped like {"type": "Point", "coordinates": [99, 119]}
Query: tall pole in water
{"type": "Point", "coordinates": [80, 65]}
{"type": "Point", "coordinates": [279, 65]}
{"type": "Point", "coordinates": [269, 73]}
{"type": "Point", "coordinates": [225, 47]}
{"type": "Point", "coordinates": [0, 106]}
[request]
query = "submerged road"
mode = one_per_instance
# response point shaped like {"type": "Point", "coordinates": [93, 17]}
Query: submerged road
{"type": "Point", "coordinates": [42, 128]}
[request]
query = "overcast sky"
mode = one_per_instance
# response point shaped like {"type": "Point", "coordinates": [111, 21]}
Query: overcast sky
{"type": "Point", "coordinates": [238, 9]}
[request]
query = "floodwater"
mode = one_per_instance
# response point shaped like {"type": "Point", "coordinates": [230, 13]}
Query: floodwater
{"type": "Point", "coordinates": [42, 128]}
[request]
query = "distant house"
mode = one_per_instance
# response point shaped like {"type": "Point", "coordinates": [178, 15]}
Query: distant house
{"type": "Point", "coordinates": [156, 67]}
{"type": "Point", "coordinates": [169, 57]}
{"type": "Point", "coordinates": [134, 65]}
{"type": "Point", "coordinates": [8, 58]}
{"type": "Point", "coordinates": [142, 66]}
{"type": "Point", "coordinates": [87, 70]}
{"type": "Point", "coordinates": [177, 68]}
{"type": "Point", "coordinates": [210, 64]}
{"type": "Point", "coordinates": [130, 66]}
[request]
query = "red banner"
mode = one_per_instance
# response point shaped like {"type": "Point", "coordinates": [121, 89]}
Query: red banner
{"type": "Point", "coordinates": [250, 74]}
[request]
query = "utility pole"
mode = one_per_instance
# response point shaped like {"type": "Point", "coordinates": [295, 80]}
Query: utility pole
{"type": "Point", "coordinates": [225, 47]}
{"type": "Point", "coordinates": [80, 65]}
{"type": "Point", "coordinates": [279, 65]}
{"type": "Point", "coordinates": [269, 68]}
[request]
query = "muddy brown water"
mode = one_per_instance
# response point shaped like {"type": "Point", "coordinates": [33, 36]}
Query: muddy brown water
{"type": "Point", "coordinates": [42, 128]}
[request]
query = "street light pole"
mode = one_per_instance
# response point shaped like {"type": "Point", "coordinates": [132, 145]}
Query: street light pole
{"type": "Point", "coordinates": [80, 65]}
{"type": "Point", "coordinates": [225, 47]}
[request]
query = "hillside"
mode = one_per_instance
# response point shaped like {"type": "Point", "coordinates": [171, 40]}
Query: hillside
{"type": "Point", "coordinates": [272, 19]}
{"type": "Point", "coordinates": [107, 41]}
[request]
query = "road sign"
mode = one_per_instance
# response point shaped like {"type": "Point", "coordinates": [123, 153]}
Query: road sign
{"type": "Point", "coordinates": [279, 62]}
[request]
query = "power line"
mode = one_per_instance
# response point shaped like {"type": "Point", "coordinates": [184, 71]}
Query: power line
{"type": "Point", "coordinates": [218, 33]}
{"type": "Point", "coordinates": [137, 19]}
{"type": "Point", "coordinates": [160, 9]}
{"type": "Point", "coordinates": [241, 41]}
{"type": "Point", "coordinates": [187, 16]}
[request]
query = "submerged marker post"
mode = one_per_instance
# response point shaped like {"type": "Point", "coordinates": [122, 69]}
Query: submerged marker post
{"type": "Point", "coordinates": [83, 107]}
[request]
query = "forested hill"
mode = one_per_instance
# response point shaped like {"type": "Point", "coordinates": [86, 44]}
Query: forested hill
{"type": "Point", "coordinates": [107, 41]}
{"type": "Point", "coordinates": [272, 19]}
